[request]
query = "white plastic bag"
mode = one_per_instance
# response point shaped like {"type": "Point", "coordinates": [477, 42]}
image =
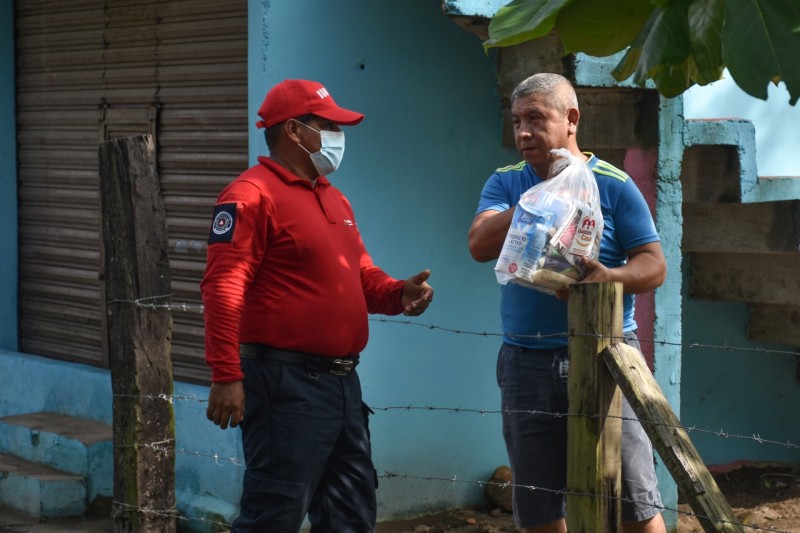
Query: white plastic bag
{"type": "Point", "coordinates": [554, 223]}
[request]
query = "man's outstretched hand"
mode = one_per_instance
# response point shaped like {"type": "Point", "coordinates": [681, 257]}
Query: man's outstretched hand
{"type": "Point", "coordinates": [417, 294]}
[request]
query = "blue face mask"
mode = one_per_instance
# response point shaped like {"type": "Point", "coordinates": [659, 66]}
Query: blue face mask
{"type": "Point", "coordinates": [330, 153]}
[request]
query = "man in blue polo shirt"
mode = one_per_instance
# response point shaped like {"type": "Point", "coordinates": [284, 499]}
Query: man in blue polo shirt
{"type": "Point", "coordinates": [533, 361]}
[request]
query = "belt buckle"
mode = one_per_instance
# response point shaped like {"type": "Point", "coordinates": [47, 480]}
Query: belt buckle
{"type": "Point", "coordinates": [342, 367]}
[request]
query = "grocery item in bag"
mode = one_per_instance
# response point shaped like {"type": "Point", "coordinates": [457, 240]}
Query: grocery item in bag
{"type": "Point", "coordinates": [554, 223]}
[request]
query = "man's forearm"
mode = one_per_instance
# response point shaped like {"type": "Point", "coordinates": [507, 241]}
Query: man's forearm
{"type": "Point", "coordinates": [488, 233]}
{"type": "Point", "coordinates": [642, 273]}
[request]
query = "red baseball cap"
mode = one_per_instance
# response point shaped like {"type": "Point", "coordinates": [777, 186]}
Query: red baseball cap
{"type": "Point", "coordinates": [294, 98]}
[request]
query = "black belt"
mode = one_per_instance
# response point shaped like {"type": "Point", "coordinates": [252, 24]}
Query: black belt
{"type": "Point", "coordinates": [338, 366]}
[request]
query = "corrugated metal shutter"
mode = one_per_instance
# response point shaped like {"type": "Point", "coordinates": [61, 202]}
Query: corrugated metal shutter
{"type": "Point", "coordinates": [88, 70]}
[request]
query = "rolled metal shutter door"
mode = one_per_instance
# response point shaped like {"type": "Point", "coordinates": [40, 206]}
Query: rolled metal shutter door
{"type": "Point", "coordinates": [89, 71]}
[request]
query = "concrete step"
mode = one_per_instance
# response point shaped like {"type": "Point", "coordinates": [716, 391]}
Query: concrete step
{"type": "Point", "coordinates": [74, 445]}
{"type": "Point", "coordinates": [40, 491]}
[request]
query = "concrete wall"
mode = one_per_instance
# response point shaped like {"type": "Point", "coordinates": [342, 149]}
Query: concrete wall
{"type": "Point", "coordinates": [413, 170]}
{"type": "Point", "coordinates": [777, 136]}
{"type": "Point", "coordinates": [208, 465]}
{"type": "Point", "coordinates": [739, 391]}
{"type": "Point", "coordinates": [747, 393]}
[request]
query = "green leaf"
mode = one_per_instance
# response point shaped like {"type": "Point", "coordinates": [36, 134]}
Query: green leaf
{"type": "Point", "coordinates": [601, 27]}
{"type": "Point", "coordinates": [523, 20]}
{"type": "Point", "coordinates": [705, 38]}
{"type": "Point", "coordinates": [672, 80]}
{"type": "Point", "coordinates": [661, 49]}
{"type": "Point", "coordinates": [668, 42]}
{"type": "Point", "coordinates": [705, 77]}
{"type": "Point", "coordinates": [760, 44]}
{"type": "Point", "coordinates": [627, 65]}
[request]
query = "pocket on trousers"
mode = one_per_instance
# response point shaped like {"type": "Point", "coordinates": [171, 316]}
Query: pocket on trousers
{"type": "Point", "coordinates": [366, 411]}
{"type": "Point", "coordinates": [269, 503]}
{"type": "Point", "coordinates": [255, 484]}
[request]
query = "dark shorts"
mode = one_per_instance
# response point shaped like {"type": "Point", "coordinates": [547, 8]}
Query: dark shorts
{"type": "Point", "coordinates": [536, 380]}
{"type": "Point", "coordinates": [307, 449]}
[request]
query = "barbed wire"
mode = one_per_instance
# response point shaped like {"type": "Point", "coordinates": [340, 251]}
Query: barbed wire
{"type": "Point", "coordinates": [166, 446]}
{"type": "Point", "coordinates": [565, 334]}
{"type": "Point", "coordinates": [567, 492]}
{"type": "Point", "coordinates": [688, 429]}
{"type": "Point", "coordinates": [163, 448]}
{"type": "Point", "coordinates": [172, 513]}
{"type": "Point", "coordinates": [147, 303]}
{"type": "Point", "coordinates": [118, 508]}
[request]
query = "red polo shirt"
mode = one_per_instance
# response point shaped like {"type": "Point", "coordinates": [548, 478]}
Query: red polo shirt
{"type": "Point", "coordinates": [287, 268]}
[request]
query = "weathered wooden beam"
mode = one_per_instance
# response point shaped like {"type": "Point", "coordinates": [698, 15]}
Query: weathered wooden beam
{"type": "Point", "coordinates": [767, 227]}
{"type": "Point", "coordinates": [669, 439]}
{"type": "Point", "coordinates": [752, 278]}
{"type": "Point", "coordinates": [711, 173]}
{"type": "Point", "coordinates": [136, 266]}
{"type": "Point", "coordinates": [593, 442]}
{"type": "Point", "coordinates": [778, 324]}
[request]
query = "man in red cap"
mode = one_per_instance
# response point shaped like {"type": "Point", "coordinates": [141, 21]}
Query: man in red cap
{"type": "Point", "coordinates": [287, 289]}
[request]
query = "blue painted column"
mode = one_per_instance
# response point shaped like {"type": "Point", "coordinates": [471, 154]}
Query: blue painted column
{"type": "Point", "coordinates": [9, 337]}
{"type": "Point", "coordinates": [257, 84]}
{"type": "Point", "coordinates": [668, 302]}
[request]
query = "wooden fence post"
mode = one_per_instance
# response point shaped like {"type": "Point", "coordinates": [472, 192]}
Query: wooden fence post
{"type": "Point", "coordinates": [593, 443]}
{"type": "Point", "coordinates": [136, 266]}
{"type": "Point", "coordinates": [669, 439]}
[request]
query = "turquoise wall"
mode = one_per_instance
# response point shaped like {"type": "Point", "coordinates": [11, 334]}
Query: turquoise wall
{"type": "Point", "coordinates": [208, 463]}
{"type": "Point", "coordinates": [748, 391]}
{"type": "Point", "coordinates": [413, 170]}
{"type": "Point", "coordinates": [8, 182]}
{"type": "Point", "coordinates": [668, 357]}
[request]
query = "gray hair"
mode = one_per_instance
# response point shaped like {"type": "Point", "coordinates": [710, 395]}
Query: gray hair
{"type": "Point", "coordinates": [556, 91]}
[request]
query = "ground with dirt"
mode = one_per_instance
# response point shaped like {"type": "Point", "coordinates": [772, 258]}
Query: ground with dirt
{"type": "Point", "coordinates": [763, 498]}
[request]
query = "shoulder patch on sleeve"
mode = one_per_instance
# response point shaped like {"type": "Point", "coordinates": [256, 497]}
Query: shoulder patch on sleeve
{"type": "Point", "coordinates": [224, 223]}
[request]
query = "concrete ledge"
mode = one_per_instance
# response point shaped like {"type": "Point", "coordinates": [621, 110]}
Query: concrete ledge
{"type": "Point", "coordinates": [741, 134]}
{"type": "Point", "coordinates": [75, 445]}
{"type": "Point", "coordinates": [39, 490]}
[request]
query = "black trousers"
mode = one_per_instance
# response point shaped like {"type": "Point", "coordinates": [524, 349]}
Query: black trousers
{"type": "Point", "coordinates": [307, 449]}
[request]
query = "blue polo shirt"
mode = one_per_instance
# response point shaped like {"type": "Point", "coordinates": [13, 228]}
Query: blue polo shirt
{"type": "Point", "coordinates": [528, 313]}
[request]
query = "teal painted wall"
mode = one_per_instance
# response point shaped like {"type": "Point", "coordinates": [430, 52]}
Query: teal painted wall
{"type": "Point", "coordinates": [208, 463]}
{"type": "Point", "coordinates": [9, 338]}
{"type": "Point", "coordinates": [413, 170]}
{"type": "Point", "coordinates": [750, 390]}
{"type": "Point", "coordinates": [668, 357]}
{"type": "Point", "coordinates": [747, 390]}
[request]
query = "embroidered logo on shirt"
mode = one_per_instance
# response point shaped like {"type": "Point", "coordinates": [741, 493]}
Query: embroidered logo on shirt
{"type": "Point", "coordinates": [223, 225]}
{"type": "Point", "coordinates": [348, 222]}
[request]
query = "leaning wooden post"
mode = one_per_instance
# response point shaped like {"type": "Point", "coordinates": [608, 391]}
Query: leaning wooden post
{"type": "Point", "coordinates": [670, 440]}
{"type": "Point", "coordinates": [136, 266]}
{"type": "Point", "coordinates": [595, 406]}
